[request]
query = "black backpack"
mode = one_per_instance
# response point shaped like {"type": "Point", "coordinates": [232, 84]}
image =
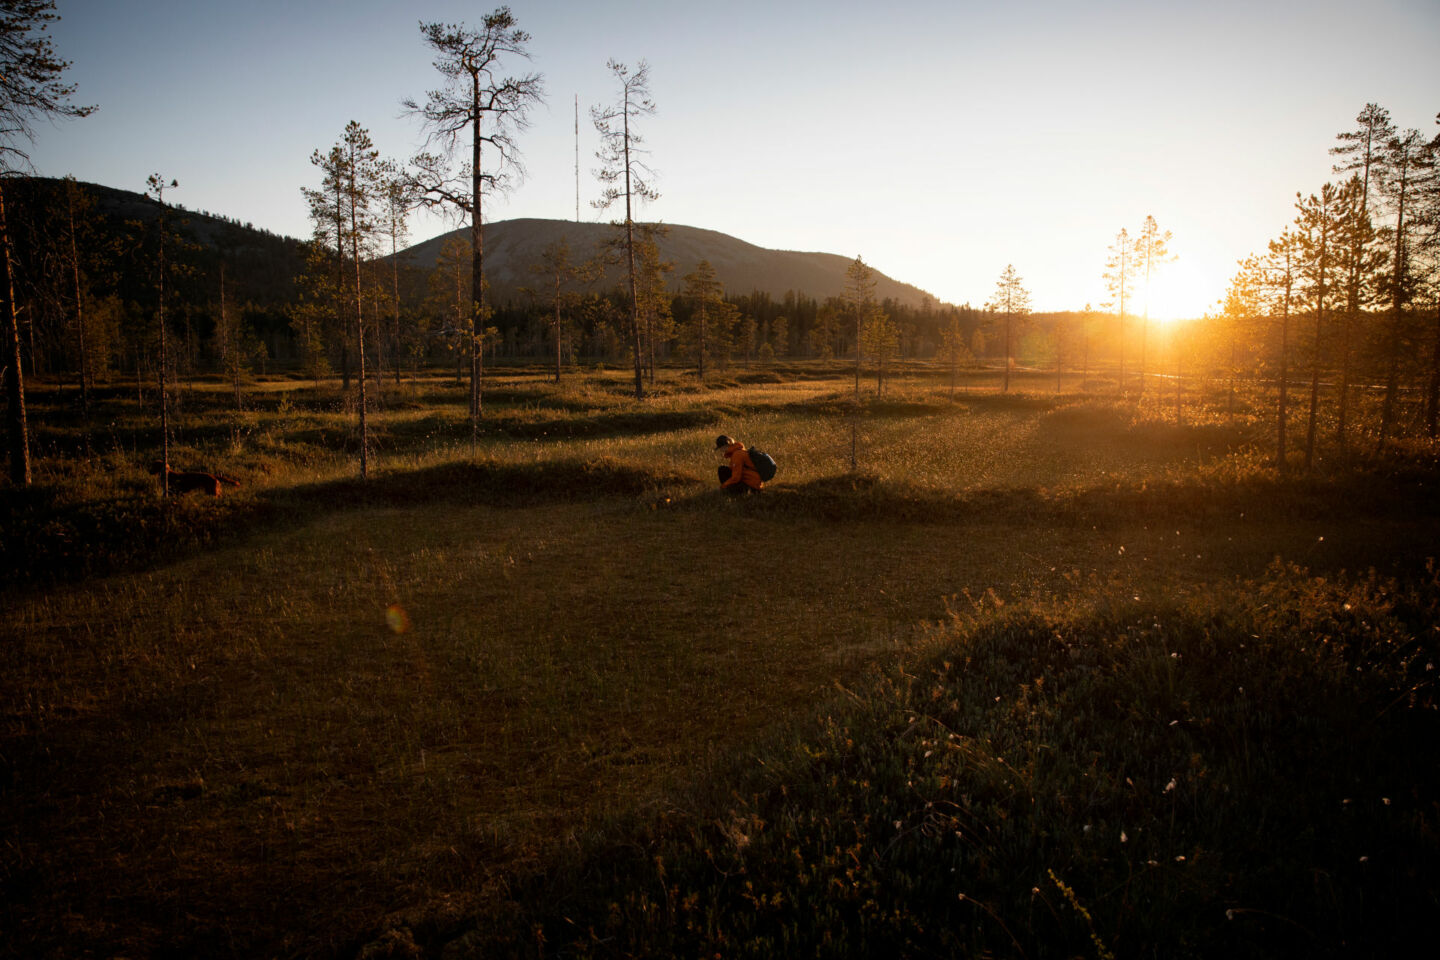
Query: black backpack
{"type": "Point", "coordinates": [764, 464]}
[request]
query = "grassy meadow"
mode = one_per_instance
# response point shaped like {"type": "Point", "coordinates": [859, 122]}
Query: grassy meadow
{"type": "Point", "coordinates": [1049, 674]}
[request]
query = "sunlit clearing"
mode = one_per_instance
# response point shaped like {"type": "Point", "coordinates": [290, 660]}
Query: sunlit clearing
{"type": "Point", "coordinates": [1179, 291]}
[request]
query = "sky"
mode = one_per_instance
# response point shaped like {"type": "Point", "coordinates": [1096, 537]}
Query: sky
{"type": "Point", "coordinates": [939, 141]}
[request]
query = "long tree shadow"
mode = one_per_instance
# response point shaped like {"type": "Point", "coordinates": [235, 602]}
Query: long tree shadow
{"type": "Point", "coordinates": [45, 540]}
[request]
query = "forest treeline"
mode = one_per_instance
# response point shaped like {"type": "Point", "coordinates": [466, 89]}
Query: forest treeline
{"type": "Point", "coordinates": [1323, 308]}
{"type": "Point", "coordinates": [272, 298]}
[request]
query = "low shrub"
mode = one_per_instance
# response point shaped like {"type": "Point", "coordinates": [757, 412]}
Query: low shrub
{"type": "Point", "coordinates": [1243, 771]}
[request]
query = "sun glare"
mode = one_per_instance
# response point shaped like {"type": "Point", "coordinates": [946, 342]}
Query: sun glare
{"type": "Point", "coordinates": [1181, 292]}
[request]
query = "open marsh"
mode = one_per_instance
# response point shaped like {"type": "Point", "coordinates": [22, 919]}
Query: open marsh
{"type": "Point", "coordinates": [354, 709]}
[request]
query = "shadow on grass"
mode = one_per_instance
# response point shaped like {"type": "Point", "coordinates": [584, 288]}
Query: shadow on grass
{"type": "Point", "coordinates": [45, 540]}
{"type": "Point", "coordinates": [615, 424]}
{"type": "Point", "coordinates": [1399, 490]}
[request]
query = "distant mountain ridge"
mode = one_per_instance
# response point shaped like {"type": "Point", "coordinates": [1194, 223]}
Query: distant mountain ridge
{"type": "Point", "coordinates": [512, 246]}
{"type": "Point", "coordinates": [265, 265]}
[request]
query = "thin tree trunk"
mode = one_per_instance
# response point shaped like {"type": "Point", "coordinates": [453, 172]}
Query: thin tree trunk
{"type": "Point", "coordinates": [1005, 385]}
{"type": "Point", "coordinates": [1432, 397]}
{"type": "Point", "coordinates": [14, 376]}
{"type": "Point", "coordinates": [164, 344]}
{"type": "Point", "coordinates": [359, 323]}
{"type": "Point", "coordinates": [1343, 412]}
{"type": "Point", "coordinates": [630, 253]}
{"type": "Point", "coordinates": [1314, 395]}
{"type": "Point", "coordinates": [1284, 379]}
{"type": "Point", "coordinates": [557, 326]}
{"type": "Point", "coordinates": [79, 317]}
{"type": "Point", "coordinates": [395, 281]}
{"type": "Point", "coordinates": [1392, 379]}
{"type": "Point", "coordinates": [477, 267]}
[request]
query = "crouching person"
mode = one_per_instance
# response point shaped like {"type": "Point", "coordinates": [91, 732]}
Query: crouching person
{"type": "Point", "coordinates": [737, 474]}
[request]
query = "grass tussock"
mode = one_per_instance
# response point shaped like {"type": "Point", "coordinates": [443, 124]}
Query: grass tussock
{"type": "Point", "coordinates": [1211, 775]}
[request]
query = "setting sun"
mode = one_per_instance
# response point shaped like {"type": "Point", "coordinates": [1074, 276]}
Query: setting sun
{"type": "Point", "coordinates": [1181, 291]}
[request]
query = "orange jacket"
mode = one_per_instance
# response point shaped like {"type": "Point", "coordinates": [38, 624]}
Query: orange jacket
{"type": "Point", "coordinates": [742, 470]}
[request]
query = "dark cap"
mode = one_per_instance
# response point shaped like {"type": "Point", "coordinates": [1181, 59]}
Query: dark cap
{"type": "Point", "coordinates": [722, 441]}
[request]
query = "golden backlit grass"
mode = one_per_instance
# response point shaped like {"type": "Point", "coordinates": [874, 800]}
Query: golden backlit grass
{"type": "Point", "coordinates": [341, 708]}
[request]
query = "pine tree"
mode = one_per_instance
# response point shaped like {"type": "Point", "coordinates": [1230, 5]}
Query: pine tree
{"type": "Point", "coordinates": [1119, 277]}
{"type": "Point", "coordinates": [476, 101]}
{"type": "Point", "coordinates": [658, 322]}
{"type": "Point", "coordinates": [1430, 216]}
{"type": "Point", "coordinates": [1318, 226]}
{"type": "Point", "coordinates": [626, 175]}
{"type": "Point", "coordinates": [859, 298]}
{"type": "Point", "coordinates": [315, 307]}
{"type": "Point", "coordinates": [1406, 164]}
{"type": "Point", "coordinates": [880, 337]}
{"type": "Point", "coordinates": [1011, 300]}
{"type": "Point", "coordinates": [155, 188]}
{"type": "Point", "coordinates": [558, 273]}
{"type": "Point", "coordinates": [395, 212]}
{"type": "Point", "coordinates": [343, 210]}
{"type": "Point", "coordinates": [1152, 251]}
{"type": "Point", "coordinates": [1281, 268]}
{"type": "Point", "coordinates": [953, 349]}
{"type": "Point", "coordinates": [1359, 261]}
{"type": "Point", "coordinates": [1360, 149]}
{"type": "Point", "coordinates": [327, 215]}
{"type": "Point", "coordinates": [361, 185]}
{"type": "Point", "coordinates": [1240, 308]}
{"type": "Point", "coordinates": [704, 293]}
{"type": "Point", "coordinates": [449, 298]}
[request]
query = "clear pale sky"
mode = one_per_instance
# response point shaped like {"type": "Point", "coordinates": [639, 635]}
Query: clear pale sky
{"type": "Point", "coordinates": [940, 141]}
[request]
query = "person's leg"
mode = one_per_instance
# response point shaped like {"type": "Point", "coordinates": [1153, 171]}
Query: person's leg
{"type": "Point", "coordinates": [724, 473]}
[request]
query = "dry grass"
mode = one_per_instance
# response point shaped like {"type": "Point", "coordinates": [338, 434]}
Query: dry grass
{"type": "Point", "coordinates": [241, 751]}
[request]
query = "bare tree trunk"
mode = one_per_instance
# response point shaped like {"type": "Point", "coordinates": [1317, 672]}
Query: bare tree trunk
{"type": "Point", "coordinates": [1432, 396]}
{"type": "Point", "coordinates": [1121, 341]}
{"type": "Point", "coordinates": [1314, 392]}
{"type": "Point", "coordinates": [359, 326]}
{"type": "Point", "coordinates": [703, 317]}
{"type": "Point", "coordinates": [14, 376]}
{"type": "Point", "coordinates": [1284, 381]}
{"type": "Point", "coordinates": [1005, 383]}
{"type": "Point", "coordinates": [1392, 380]}
{"type": "Point", "coordinates": [477, 266]}
{"type": "Point", "coordinates": [557, 322]}
{"type": "Point", "coordinates": [164, 394]}
{"type": "Point", "coordinates": [79, 316]}
{"type": "Point", "coordinates": [395, 287]}
{"type": "Point", "coordinates": [1343, 412]}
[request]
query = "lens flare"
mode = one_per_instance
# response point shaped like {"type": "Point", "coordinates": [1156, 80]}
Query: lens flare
{"type": "Point", "coordinates": [397, 618]}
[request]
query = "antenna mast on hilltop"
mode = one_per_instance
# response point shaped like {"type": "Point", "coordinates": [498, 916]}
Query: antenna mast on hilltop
{"type": "Point", "coordinates": [577, 158]}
